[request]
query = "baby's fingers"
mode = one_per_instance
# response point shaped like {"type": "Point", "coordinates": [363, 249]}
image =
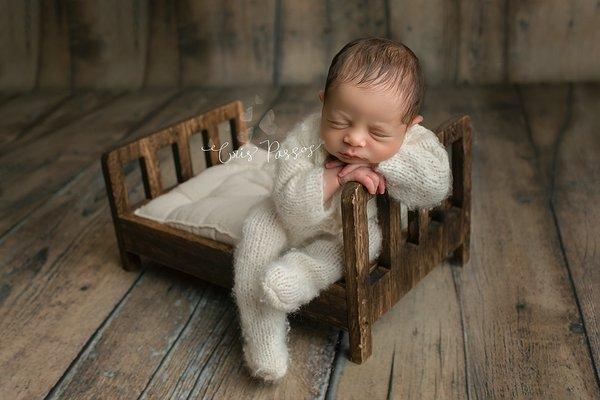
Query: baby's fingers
{"type": "Point", "coordinates": [369, 182]}
{"type": "Point", "coordinates": [348, 168]}
{"type": "Point", "coordinates": [333, 164]}
{"type": "Point", "coordinates": [381, 187]}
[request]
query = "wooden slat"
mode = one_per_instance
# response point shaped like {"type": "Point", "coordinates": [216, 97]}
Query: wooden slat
{"type": "Point", "coordinates": [182, 157]}
{"type": "Point", "coordinates": [146, 151]}
{"type": "Point", "coordinates": [212, 142]}
{"type": "Point", "coordinates": [356, 261]}
{"type": "Point", "coordinates": [418, 223]}
{"type": "Point", "coordinates": [150, 171]}
{"type": "Point", "coordinates": [564, 132]}
{"type": "Point", "coordinates": [76, 266]}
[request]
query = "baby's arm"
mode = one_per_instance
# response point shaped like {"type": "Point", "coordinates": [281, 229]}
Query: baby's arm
{"type": "Point", "coordinates": [331, 182]}
{"type": "Point", "coordinates": [301, 189]}
{"type": "Point", "coordinates": [419, 174]}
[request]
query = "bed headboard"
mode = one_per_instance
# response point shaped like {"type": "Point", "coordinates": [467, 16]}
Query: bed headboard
{"type": "Point", "coordinates": [177, 136]}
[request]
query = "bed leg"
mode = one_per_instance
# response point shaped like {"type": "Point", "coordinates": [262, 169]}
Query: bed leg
{"type": "Point", "coordinates": [460, 256]}
{"type": "Point", "coordinates": [130, 261]}
{"type": "Point", "coordinates": [360, 344]}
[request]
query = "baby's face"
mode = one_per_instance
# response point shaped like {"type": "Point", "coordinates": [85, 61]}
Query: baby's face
{"type": "Point", "coordinates": [362, 122]}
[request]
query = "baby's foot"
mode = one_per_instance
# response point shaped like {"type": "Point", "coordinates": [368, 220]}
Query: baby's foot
{"type": "Point", "coordinates": [267, 356]}
{"type": "Point", "coordinates": [286, 287]}
{"type": "Point", "coordinates": [267, 365]}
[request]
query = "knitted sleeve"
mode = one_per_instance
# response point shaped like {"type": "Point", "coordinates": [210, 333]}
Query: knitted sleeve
{"type": "Point", "coordinates": [298, 186]}
{"type": "Point", "coordinates": [419, 174]}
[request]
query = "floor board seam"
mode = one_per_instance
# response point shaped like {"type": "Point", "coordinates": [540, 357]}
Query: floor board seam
{"type": "Point", "coordinates": [455, 271]}
{"type": "Point", "coordinates": [92, 340]}
{"type": "Point", "coordinates": [550, 193]}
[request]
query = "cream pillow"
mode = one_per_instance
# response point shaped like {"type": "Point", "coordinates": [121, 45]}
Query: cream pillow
{"type": "Point", "coordinates": [214, 203]}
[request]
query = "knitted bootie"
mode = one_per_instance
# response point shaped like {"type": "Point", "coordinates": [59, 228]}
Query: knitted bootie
{"type": "Point", "coordinates": [287, 287]}
{"type": "Point", "coordinates": [267, 360]}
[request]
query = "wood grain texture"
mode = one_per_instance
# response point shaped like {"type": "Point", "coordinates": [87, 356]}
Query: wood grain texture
{"type": "Point", "coordinates": [108, 43]}
{"type": "Point", "coordinates": [367, 289]}
{"type": "Point", "coordinates": [349, 20]}
{"type": "Point", "coordinates": [157, 43]}
{"type": "Point", "coordinates": [59, 283]}
{"type": "Point", "coordinates": [564, 133]}
{"type": "Point", "coordinates": [226, 43]}
{"type": "Point", "coordinates": [205, 367]}
{"type": "Point", "coordinates": [21, 124]}
{"type": "Point", "coordinates": [163, 62]}
{"type": "Point", "coordinates": [54, 70]}
{"type": "Point", "coordinates": [553, 40]}
{"type": "Point", "coordinates": [56, 158]}
{"type": "Point", "coordinates": [303, 48]}
{"type": "Point", "coordinates": [61, 269]}
{"type": "Point", "coordinates": [21, 114]}
{"type": "Point", "coordinates": [515, 296]}
{"type": "Point", "coordinates": [430, 29]}
{"type": "Point", "coordinates": [483, 42]}
{"type": "Point", "coordinates": [417, 348]}
{"type": "Point", "coordinates": [19, 44]}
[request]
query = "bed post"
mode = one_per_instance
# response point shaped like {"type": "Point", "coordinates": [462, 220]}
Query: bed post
{"type": "Point", "coordinates": [356, 260]}
{"type": "Point", "coordinates": [117, 199]}
{"type": "Point", "coordinates": [461, 191]}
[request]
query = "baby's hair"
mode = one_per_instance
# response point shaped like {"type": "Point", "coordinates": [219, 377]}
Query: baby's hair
{"type": "Point", "coordinates": [380, 61]}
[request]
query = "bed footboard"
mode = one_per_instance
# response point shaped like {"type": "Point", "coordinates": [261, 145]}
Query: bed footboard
{"type": "Point", "coordinates": [407, 256]}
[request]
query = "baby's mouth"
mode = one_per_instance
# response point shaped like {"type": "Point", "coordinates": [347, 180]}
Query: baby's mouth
{"type": "Point", "coordinates": [348, 157]}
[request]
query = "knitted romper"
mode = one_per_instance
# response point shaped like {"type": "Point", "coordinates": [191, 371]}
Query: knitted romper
{"type": "Point", "coordinates": [294, 229]}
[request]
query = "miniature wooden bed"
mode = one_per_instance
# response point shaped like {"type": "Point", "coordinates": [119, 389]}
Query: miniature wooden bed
{"type": "Point", "coordinates": [367, 290]}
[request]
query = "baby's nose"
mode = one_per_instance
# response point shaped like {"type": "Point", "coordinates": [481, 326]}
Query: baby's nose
{"type": "Point", "coordinates": [354, 141]}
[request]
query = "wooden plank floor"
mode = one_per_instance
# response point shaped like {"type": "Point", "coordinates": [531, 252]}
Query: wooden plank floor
{"type": "Point", "coordinates": [520, 320]}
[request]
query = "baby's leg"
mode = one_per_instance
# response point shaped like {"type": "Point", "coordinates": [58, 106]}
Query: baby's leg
{"type": "Point", "coordinates": [264, 328]}
{"type": "Point", "coordinates": [300, 274]}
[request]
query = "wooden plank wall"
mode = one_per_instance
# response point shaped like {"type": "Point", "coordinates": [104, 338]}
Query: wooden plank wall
{"type": "Point", "coordinates": [131, 44]}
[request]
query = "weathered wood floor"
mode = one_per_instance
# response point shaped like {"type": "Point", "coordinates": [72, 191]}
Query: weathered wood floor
{"type": "Point", "coordinates": [521, 320]}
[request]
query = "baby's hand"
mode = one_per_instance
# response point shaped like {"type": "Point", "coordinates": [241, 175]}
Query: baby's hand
{"type": "Point", "coordinates": [368, 177]}
{"type": "Point", "coordinates": [372, 180]}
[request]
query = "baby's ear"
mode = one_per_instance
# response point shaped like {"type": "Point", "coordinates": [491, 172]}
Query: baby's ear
{"type": "Point", "coordinates": [321, 94]}
{"type": "Point", "coordinates": [417, 120]}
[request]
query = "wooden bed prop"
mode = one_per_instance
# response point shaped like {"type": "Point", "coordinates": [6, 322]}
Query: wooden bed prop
{"type": "Point", "coordinates": [366, 291]}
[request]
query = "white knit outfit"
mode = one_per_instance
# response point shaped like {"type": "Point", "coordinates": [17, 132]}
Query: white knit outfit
{"type": "Point", "coordinates": [291, 246]}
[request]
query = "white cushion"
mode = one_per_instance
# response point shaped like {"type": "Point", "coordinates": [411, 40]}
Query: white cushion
{"type": "Point", "coordinates": [214, 203]}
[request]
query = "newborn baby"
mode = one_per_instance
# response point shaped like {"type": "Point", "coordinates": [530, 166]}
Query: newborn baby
{"type": "Point", "coordinates": [368, 131]}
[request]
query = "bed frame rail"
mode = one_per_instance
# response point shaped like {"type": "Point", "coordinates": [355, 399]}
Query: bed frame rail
{"type": "Point", "coordinates": [177, 136]}
{"type": "Point", "coordinates": [145, 151]}
{"type": "Point", "coordinates": [407, 256]}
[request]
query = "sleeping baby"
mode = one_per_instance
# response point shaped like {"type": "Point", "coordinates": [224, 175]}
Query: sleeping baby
{"type": "Point", "coordinates": [367, 131]}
